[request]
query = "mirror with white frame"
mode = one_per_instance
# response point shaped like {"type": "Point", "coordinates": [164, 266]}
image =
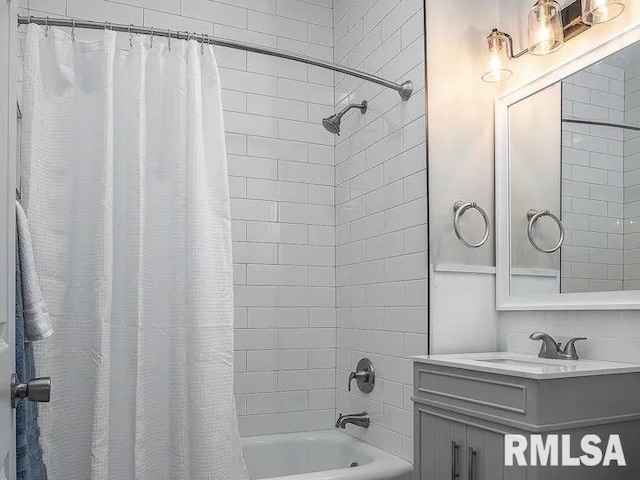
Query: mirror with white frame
{"type": "Point", "coordinates": [568, 185]}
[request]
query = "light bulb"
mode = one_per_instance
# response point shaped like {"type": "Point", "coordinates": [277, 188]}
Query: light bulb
{"type": "Point", "coordinates": [546, 34]}
{"type": "Point", "coordinates": [496, 59]}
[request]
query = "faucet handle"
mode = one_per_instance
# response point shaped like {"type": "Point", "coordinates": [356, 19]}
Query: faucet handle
{"type": "Point", "coordinates": [352, 376]}
{"type": "Point", "coordinates": [549, 347]}
{"type": "Point", "coordinates": [570, 348]}
{"type": "Point", "coordinates": [360, 375]}
{"type": "Point", "coordinates": [364, 374]}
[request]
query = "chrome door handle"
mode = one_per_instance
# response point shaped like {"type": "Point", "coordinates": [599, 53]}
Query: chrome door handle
{"type": "Point", "coordinates": [36, 390]}
{"type": "Point", "coordinates": [454, 461]}
{"type": "Point", "coordinates": [471, 463]}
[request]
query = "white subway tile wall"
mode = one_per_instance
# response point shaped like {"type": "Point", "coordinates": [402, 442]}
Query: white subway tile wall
{"type": "Point", "coordinates": [601, 182]}
{"type": "Point", "coordinates": [592, 181]}
{"type": "Point", "coordinates": [295, 192]}
{"type": "Point", "coordinates": [631, 273]}
{"type": "Point", "coordinates": [381, 215]}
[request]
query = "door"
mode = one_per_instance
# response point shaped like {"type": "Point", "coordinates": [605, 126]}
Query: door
{"type": "Point", "coordinates": [8, 106]}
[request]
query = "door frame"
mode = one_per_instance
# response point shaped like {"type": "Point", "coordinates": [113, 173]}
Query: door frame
{"type": "Point", "coordinates": [8, 164]}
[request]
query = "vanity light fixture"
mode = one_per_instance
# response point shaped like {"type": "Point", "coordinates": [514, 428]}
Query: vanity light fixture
{"type": "Point", "coordinates": [549, 27]}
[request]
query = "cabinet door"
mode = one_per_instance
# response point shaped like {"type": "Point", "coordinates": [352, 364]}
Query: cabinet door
{"type": "Point", "coordinates": [485, 459]}
{"type": "Point", "coordinates": [441, 448]}
{"type": "Point", "coordinates": [485, 455]}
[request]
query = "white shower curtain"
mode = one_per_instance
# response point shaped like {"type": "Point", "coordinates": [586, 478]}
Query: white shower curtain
{"type": "Point", "coordinates": [125, 185]}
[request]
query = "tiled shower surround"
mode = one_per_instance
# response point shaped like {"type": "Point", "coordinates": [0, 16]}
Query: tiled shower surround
{"type": "Point", "coordinates": [381, 215]}
{"type": "Point", "coordinates": [601, 182]}
{"type": "Point", "coordinates": [592, 181]}
{"type": "Point", "coordinates": [632, 182]}
{"type": "Point", "coordinates": [296, 188]}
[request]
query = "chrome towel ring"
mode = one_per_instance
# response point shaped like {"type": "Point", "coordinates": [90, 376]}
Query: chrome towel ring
{"type": "Point", "coordinates": [460, 208]}
{"type": "Point", "coordinates": [533, 216]}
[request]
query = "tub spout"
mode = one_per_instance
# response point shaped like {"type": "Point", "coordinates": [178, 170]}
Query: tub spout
{"type": "Point", "coordinates": [358, 419]}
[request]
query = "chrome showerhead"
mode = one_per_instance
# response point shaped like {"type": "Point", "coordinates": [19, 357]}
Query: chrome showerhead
{"type": "Point", "coordinates": [332, 123]}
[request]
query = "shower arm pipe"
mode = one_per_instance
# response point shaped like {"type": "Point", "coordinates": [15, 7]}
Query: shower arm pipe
{"type": "Point", "coordinates": [361, 106]}
{"type": "Point", "coordinates": [405, 89]}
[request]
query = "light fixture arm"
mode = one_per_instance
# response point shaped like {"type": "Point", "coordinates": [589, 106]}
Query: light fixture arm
{"type": "Point", "coordinates": [510, 46]}
{"type": "Point", "coordinates": [509, 42]}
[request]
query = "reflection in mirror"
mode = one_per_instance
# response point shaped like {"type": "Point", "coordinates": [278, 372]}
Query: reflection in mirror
{"type": "Point", "coordinates": [575, 153]}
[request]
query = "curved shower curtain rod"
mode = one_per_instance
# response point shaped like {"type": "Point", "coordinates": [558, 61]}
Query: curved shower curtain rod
{"type": "Point", "coordinates": [405, 89]}
{"type": "Point", "coordinates": [601, 123]}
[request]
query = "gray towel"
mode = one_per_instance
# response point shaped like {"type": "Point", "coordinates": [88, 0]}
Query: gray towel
{"type": "Point", "coordinates": [29, 462]}
{"type": "Point", "coordinates": [37, 324]}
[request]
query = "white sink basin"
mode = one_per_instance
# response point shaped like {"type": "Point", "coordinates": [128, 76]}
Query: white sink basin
{"type": "Point", "coordinates": [528, 366]}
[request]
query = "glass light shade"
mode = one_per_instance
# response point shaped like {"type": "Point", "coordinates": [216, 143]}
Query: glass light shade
{"type": "Point", "coordinates": [600, 11]}
{"type": "Point", "coordinates": [546, 34]}
{"type": "Point", "coordinates": [496, 59]}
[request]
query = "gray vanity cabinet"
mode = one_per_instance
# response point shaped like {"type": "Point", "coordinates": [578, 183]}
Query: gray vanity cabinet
{"type": "Point", "coordinates": [461, 417]}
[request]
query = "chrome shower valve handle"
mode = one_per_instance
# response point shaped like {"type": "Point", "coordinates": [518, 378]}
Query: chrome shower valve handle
{"type": "Point", "coordinates": [364, 375]}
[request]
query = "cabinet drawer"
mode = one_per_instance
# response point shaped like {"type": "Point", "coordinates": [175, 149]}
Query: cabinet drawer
{"type": "Point", "coordinates": [476, 391]}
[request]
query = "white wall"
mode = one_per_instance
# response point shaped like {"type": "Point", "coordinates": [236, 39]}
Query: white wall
{"type": "Point", "coordinates": [381, 214]}
{"type": "Point", "coordinates": [282, 186]}
{"type": "Point", "coordinates": [535, 176]}
{"type": "Point", "coordinates": [460, 143]}
{"type": "Point", "coordinates": [460, 112]}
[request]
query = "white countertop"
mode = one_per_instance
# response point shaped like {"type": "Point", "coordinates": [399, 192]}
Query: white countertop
{"type": "Point", "coordinates": [527, 366]}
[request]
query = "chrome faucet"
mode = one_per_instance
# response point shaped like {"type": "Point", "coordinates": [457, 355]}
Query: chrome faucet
{"type": "Point", "coordinates": [552, 349]}
{"type": "Point", "coordinates": [357, 419]}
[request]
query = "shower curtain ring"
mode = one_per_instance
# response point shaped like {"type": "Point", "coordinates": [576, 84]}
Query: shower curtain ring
{"type": "Point", "coordinates": [46, 26]}
{"type": "Point", "coordinates": [169, 41]}
{"type": "Point", "coordinates": [130, 36]}
{"type": "Point", "coordinates": [151, 41]}
{"type": "Point", "coordinates": [73, 30]}
{"type": "Point", "coordinates": [202, 44]}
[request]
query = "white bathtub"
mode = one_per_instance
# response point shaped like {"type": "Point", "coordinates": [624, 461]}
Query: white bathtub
{"type": "Point", "coordinates": [321, 455]}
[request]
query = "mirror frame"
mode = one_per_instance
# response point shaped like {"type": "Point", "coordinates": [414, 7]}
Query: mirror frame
{"type": "Point", "coordinates": [619, 300]}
